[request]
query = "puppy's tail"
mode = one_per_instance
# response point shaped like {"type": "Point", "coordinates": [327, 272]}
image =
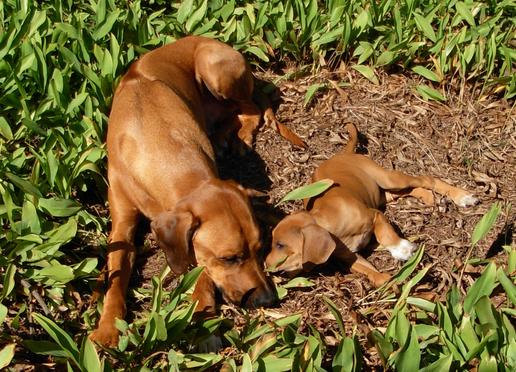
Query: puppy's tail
{"type": "Point", "coordinates": [353, 138]}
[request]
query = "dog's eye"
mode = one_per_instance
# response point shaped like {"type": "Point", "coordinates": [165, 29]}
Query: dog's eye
{"type": "Point", "coordinates": [232, 259]}
{"type": "Point", "coordinates": [280, 245]}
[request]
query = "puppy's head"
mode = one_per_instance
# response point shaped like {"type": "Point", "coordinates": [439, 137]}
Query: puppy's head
{"type": "Point", "coordinates": [214, 227]}
{"type": "Point", "coordinates": [298, 244]}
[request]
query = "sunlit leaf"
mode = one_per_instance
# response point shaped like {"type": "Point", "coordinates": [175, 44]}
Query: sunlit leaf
{"type": "Point", "coordinates": [308, 191]}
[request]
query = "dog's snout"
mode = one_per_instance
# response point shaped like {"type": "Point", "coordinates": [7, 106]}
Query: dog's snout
{"type": "Point", "coordinates": [260, 297]}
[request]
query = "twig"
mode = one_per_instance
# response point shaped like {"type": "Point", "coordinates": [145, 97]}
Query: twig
{"type": "Point", "coordinates": [37, 296]}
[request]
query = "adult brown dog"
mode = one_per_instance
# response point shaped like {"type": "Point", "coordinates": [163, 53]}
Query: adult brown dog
{"type": "Point", "coordinates": [161, 165]}
{"type": "Point", "coordinates": [340, 221]}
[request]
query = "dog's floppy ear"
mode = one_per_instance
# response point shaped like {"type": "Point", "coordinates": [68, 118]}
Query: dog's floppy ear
{"type": "Point", "coordinates": [173, 231]}
{"type": "Point", "coordinates": [318, 245]}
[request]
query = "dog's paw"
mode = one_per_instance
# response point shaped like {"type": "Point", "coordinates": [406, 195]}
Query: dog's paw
{"type": "Point", "coordinates": [403, 250]}
{"type": "Point", "coordinates": [211, 344]}
{"type": "Point", "coordinates": [467, 201]}
{"type": "Point", "coordinates": [105, 336]}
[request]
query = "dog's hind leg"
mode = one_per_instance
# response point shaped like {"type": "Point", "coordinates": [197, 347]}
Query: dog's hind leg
{"type": "Point", "coordinates": [425, 195]}
{"type": "Point", "coordinates": [120, 260]}
{"type": "Point", "coordinates": [391, 180]}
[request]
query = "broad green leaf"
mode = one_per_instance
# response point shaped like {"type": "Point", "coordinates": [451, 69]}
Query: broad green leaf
{"type": "Point", "coordinates": [184, 10]}
{"type": "Point", "coordinates": [197, 16]}
{"type": "Point", "coordinates": [24, 185]}
{"type": "Point", "coordinates": [8, 283]}
{"type": "Point", "coordinates": [441, 364]}
{"type": "Point", "coordinates": [425, 331]}
{"type": "Point", "coordinates": [409, 285]}
{"type": "Point", "coordinates": [257, 52]}
{"type": "Point", "coordinates": [424, 25]}
{"type": "Point", "coordinates": [293, 319]}
{"type": "Point", "coordinates": [511, 266]}
{"type": "Point", "coordinates": [465, 12]}
{"type": "Point", "coordinates": [274, 364]}
{"type": "Point", "coordinates": [426, 73]}
{"type": "Point", "coordinates": [63, 233]}
{"type": "Point", "coordinates": [348, 357]}
{"type": "Point", "coordinates": [409, 357]}
{"type": "Point", "coordinates": [487, 364]}
{"type": "Point", "coordinates": [383, 345]}
{"type": "Point", "coordinates": [308, 191]}
{"type": "Point", "coordinates": [423, 304]}
{"type": "Point", "coordinates": [483, 286]}
{"type": "Point", "coordinates": [6, 355]}
{"type": "Point", "coordinates": [386, 58]}
{"type": "Point", "coordinates": [368, 72]}
{"type": "Point", "coordinates": [58, 207]}
{"type": "Point", "coordinates": [336, 313]}
{"type": "Point", "coordinates": [508, 285]}
{"type": "Point", "coordinates": [467, 332]}
{"type": "Point", "coordinates": [299, 282]}
{"type": "Point", "coordinates": [200, 362]}
{"type": "Point", "coordinates": [30, 218]}
{"type": "Point", "coordinates": [105, 27]}
{"type": "Point", "coordinates": [90, 360]}
{"type": "Point", "coordinates": [409, 266]}
{"type": "Point", "coordinates": [485, 313]}
{"type": "Point", "coordinates": [310, 92]}
{"type": "Point", "coordinates": [62, 338]}
{"type": "Point", "coordinates": [429, 93]}
{"type": "Point", "coordinates": [5, 129]}
{"type": "Point", "coordinates": [58, 272]}
{"type": "Point", "coordinates": [485, 224]}
{"type": "Point", "coordinates": [45, 348]}
{"type": "Point", "coordinates": [3, 313]}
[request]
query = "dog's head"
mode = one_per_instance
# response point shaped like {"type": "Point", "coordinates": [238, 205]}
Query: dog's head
{"type": "Point", "coordinates": [298, 244]}
{"type": "Point", "coordinates": [224, 71]}
{"type": "Point", "coordinates": [214, 227]}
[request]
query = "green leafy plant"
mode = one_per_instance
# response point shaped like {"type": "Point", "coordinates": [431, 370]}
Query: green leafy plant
{"type": "Point", "coordinates": [308, 191]}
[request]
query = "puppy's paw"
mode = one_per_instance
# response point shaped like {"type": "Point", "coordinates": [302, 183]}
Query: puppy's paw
{"type": "Point", "coordinates": [211, 344]}
{"type": "Point", "coordinates": [467, 201]}
{"type": "Point", "coordinates": [403, 250]}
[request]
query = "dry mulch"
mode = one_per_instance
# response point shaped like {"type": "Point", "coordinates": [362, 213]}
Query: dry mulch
{"type": "Point", "coordinates": [468, 142]}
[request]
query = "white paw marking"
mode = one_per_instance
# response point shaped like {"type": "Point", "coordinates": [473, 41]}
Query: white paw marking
{"type": "Point", "coordinates": [403, 250]}
{"type": "Point", "coordinates": [467, 201]}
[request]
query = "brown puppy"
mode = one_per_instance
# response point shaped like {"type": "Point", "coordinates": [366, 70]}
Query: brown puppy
{"type": "Point", "coordinates": [161, 165]}
{"type": "Point", "coordinates": [341, 221]}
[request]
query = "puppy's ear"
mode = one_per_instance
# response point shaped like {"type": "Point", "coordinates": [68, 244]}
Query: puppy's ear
{"type": "Point", "coordinates": [318, 245]}
{"type": "Point", "coordinates": [174, 231]}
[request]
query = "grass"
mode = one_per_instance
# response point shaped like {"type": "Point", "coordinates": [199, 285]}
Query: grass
{"type": "Point", "coordinates": [59, 64]}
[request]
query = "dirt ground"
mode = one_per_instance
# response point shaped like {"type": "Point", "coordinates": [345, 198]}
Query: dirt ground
{"type": "Point", "coordinates": [468, 142]}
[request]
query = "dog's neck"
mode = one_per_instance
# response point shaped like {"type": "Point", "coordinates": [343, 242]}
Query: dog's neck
{"type": "Point", "coordinates": [321, 219]}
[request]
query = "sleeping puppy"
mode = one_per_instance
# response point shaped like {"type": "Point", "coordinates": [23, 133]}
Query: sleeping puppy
{"type": "Point", "coordinates": [341, 221]}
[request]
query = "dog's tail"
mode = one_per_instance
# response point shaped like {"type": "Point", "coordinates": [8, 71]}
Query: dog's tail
{"type": "Point", "coordinates": [269, 118]}
{"type": "Point", "coordinates": [353, 139]}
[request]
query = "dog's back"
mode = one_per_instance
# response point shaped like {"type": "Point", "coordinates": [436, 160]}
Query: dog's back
{"type": "Point", "coordinates": [348, 171]}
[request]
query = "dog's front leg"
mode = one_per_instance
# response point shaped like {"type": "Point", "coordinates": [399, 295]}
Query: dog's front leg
{"type": "Point", "coordinates": [120, 260]}
{"type": "Point", "coordinates": [359, 264]}
{"type": "Point", "coordinates": [204, 294]}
